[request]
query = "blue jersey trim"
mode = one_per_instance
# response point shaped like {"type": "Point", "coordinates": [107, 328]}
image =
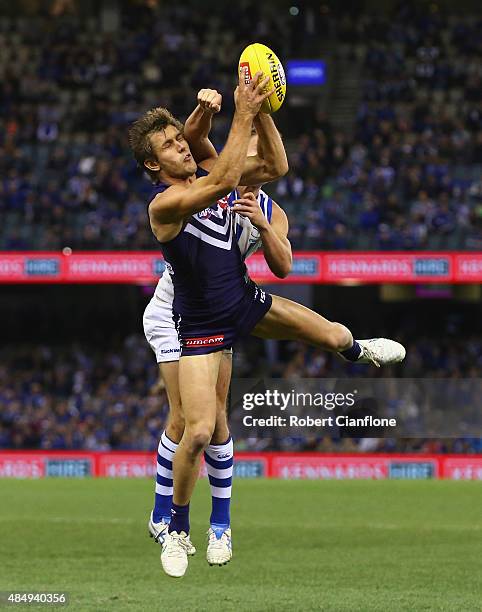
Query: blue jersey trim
{"type": "Point", "coordinates": [266, 204]}
{"type": "Point", "coordinates": [270, 209]}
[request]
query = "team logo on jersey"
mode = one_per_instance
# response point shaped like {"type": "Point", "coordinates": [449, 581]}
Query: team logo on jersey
{"type": "Point", "coordinates": [204, 214]}
{"type": "Point", "coordinates": [205, 341]}
{"type": "Point", "coordinates": [223, 203]}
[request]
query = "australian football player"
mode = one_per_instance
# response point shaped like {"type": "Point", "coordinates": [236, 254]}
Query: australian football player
{"type": "Point", "coordinates": [162, 336]}
{"type": "Point", "coordinates": [215, 302]}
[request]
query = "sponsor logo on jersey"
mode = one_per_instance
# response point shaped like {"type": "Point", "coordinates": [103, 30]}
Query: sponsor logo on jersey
{"type": "Point", "coordinates": [205, 341]}
{"type": "Point", "coordinates": [225, 456]}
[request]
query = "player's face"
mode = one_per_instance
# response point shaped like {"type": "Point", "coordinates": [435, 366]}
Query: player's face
{"type": "Point", "coordinates": [172, 153]}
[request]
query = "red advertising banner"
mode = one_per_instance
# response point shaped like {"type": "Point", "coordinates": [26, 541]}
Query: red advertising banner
{"type": "Point", "coordinates": [388, 267]}
{"type": "Point", "coordinates": [21, 466]}
{"type": "Point", "coordinates": [74, 464]}
{"type": "Point", "coordinates": [468, 267]}
{"type": "Point", "coordinates": [463, 468]}
{"type": "Point", "coordinates": [111, 267]}
{"type": "Point", "coordinates": [321, 468]}
{"type": "Point", "coordinates": [308, 267]}
{"type": "Point", "coordinates": [349, 467]}
{"type": "Point", "coordinates": [126, 465]}
{"type": "Point", "coordinates": [31, 267]}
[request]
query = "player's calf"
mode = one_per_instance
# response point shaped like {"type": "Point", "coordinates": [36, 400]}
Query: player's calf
{"type": "Point", "coordinates": [337, 337]}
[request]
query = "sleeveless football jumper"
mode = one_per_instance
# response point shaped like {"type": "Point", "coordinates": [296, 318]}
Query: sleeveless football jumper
{"type": "Point", "coordinates": [215, 302]}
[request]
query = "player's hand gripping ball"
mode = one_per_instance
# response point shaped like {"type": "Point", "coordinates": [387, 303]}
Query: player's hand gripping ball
{"type": "Point", "coordinates": [258, 57]}
{"type": "Point", "coordinates": [209, 100]}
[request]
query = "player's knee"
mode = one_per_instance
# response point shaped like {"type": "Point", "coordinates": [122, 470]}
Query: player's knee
{"type": "Point", "coordinates": [338, 337]}
{"type": "Point", "coordinates": [175, 427]}
{"type": "Point", "coordinates": [198, 438]}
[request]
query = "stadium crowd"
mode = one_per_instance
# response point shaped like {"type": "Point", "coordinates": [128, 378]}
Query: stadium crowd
{"type": "Point", "coordinates": [82, 397]}
{"type": "Point", "coordinates": [407, 176]}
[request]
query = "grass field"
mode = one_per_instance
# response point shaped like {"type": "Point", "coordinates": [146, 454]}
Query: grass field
{"type": "Point", "coordinates": [298, 545]}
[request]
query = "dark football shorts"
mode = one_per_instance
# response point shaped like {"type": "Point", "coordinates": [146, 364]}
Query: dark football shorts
{"type": "Point", "coordinates": [221, 333]}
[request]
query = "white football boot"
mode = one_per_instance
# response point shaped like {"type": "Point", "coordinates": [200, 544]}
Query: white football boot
{"type": "Point", "coordinates": [158, 532]}
{"type": "Point", "coordinates": [220, 550]}
{"type": "Point", "coordinates": [381, 351]}
{"type": "Point", "coordinates": [174, 553]}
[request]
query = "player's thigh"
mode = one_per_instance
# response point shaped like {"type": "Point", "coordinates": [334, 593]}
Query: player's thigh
{"type": "Point", "coordinates": [198, 376]}
{"type": "Point", "coordinates": [288, 320]}
{"type": "Point", "coordinates": [169, 371]}
{"type": "Point", "coordinates": [224, 380]}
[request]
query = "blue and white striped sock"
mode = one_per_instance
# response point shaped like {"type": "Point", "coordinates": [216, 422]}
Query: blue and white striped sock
{"type": "Point", "coordinates": [219, 465]}
{"type": "Point", "coordinates": [163, 497]}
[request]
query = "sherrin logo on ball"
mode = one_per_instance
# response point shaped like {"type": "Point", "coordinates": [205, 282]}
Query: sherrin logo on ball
{"type": "Point", "coordinates": [260, 58]}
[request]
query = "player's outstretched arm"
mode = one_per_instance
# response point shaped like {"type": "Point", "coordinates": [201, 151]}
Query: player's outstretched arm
{"type": "Point", "coordinates": [178, 202]}
{"type": "Point", "coordinates": [198, 126]}
{"type": "Point", "coordinates": [270, 162]}
{"type": "Point", "coordinates": [274, 235]}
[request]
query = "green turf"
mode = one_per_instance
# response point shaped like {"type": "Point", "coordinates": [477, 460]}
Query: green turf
{"type": "Point", "coordinates": [299, 545]}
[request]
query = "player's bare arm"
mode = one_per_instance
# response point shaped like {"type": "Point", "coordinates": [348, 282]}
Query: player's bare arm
{"type": "Point", "coordinates": [274, 235]}
{"type": "Point", "coordinates": [198, 126]}
{"type": "Point", "coordinates": [187, 196]}
{"type": "Point", "coordinates": [270, 161]}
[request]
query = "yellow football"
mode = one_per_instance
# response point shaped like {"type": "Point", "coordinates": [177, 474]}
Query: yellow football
{"type": "Point", "coordinates": [258, 57]}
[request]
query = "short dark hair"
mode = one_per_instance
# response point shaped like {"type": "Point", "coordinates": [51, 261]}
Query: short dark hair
{"type": "Point", "coordinates": [155, 120]}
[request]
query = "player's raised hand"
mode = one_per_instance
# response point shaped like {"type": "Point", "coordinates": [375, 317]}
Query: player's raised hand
{"type": "Point", "coordinates": [248, 206]}
{"type": "Point", "coordinates": [250, 94]}
{"type": "Point", "coordinates": [209, 100]}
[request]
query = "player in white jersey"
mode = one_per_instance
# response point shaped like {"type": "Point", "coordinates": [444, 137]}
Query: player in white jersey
{"type": "Point", "coordinates": [161, 333]}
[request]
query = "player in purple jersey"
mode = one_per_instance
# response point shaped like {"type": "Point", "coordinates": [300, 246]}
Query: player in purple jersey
{"type": "Point", "coordinates": [162, 336]}
{"type": "Point", "coordinates": [215, 302]}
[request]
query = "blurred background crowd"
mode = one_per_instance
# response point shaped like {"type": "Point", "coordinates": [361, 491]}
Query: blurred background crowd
{"type": "Point", "coordinates": [83, 397]}
{"type": "Point", "coordinates": [387, 156]}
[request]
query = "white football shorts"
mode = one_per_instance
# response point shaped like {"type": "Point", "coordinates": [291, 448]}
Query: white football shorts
{"type": "Point", "coordinates": [160, 330]}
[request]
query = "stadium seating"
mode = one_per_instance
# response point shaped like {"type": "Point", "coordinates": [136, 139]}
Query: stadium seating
{"type": "Point", "coordinates": [85, 397]}
{"type": "Point", "coordinates": [407, 174]}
